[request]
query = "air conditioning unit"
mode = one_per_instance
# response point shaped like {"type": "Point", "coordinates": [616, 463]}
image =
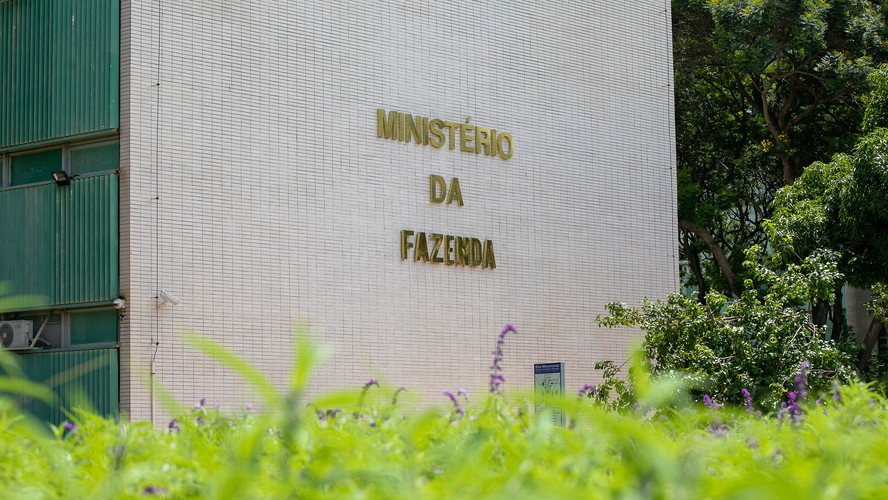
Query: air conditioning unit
{"type": "Point", "coordinates": [16, 335]}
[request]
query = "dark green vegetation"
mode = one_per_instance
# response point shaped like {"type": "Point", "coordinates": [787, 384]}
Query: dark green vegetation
{"type": "Point", "coordinates": [763, 89]}
{"type": "Point", "coordinates": [756, 342]}
{"type": "Point", "coordinates": [783, 193]}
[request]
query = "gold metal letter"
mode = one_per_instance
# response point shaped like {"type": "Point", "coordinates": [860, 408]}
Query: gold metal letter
{"type": "Point", "coordinates": [489, 259]}
{"type": "Point", "coordinates": [463, 251]}
{"type": "Point", "coordinates": [482, 140]}
{"type": "Point", "coordinates": [476, 252]}
{"type": "Point", "coordinates": [437, 189]}
{"type": "Point", "coordinates": [437, 248]}
{"type": "Point", "coordinates": [405, 242]}
{"type": "Point", "coordinates": [421, 251]}
{"type": "Point", "coordinates": [437, 133]}
{"type": "Point", "coordinates": [455, 193]}
{"type": "Point", "coordinates": [452, 126]}
{"type": "Point", "coordinates": [447, 240]}
{"type": "Point", "coordinates": [505, 136]}
{"type": "Point", "coordinates": [401, 127]}
{"type": "Point", "coordinates": [465, 136]}
{"type": "Point", "coordinates": [387, 129]}
{"type": "Point", "coordinates": [412, 130]}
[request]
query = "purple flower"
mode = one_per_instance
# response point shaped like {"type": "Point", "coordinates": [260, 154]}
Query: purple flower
{"type": "Point", "coordinates": [364, 390]}
{"type": "Point", "coordinates": [496, 377]}
{"type": "Point", "coordinates": [174, 426]}
{"type": "Point", "coordinates": [710, 403]}
{"type": "Point", "coordinates": [837, 395]}
{"type": "Point", "coordinates": [69, 426]}
{"type": "Point", "coordinates": [588, 390]}
{"type": "Point", "coordinates": [800, 382]}
{"type": "Point", "coordinates": [455, 401]}
{"type": "Point", "coordinates": [790, 408]}
{"type": "Point", "coordinates": [396, 394]}
{"type": "Point", "coordinates": [153, 490]}
{"type": "Point", "coordinates": [203, 401]}
{"type": "Point", "coordinates": [217, 405]}
{"type": "Point", "coordinates": [747, 397]}
{"type": "Point", "coordinates": [248, 407]}
{"type": "Point", "coordinates": [717, 429]}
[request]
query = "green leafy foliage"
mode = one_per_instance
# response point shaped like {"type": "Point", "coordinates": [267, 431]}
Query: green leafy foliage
{"type": "Point", "coordinates": [763, 89]}
{"type": "Point", "coordinates": [662, 446]}
{"type": "Point", "coordinates": [756, 342]}
{"type": "Point", "coordinates": [841, 206]}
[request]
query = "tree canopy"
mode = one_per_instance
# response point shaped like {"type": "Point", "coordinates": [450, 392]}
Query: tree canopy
{"type": "Point", "coordinates": [782, 140]}
{"type": "Point", "coordinates": [763, 89]}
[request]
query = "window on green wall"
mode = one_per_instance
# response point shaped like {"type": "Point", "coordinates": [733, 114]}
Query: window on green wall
{"type": "Point", "coordinates": [92, 327]}
{"type": "Point", "coordinates": [84, 159]}
{"type": "Point", "coordinates": [34, 167]}
{"type": "Point", "coordinates": [94, 158]}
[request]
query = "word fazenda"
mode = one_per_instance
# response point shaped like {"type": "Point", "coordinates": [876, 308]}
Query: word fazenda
{"type": "Point", "coordinates": [436, 248]}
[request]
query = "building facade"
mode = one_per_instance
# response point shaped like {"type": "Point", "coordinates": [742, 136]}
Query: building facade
{"type": "Point", "coordinates": [404, 177]}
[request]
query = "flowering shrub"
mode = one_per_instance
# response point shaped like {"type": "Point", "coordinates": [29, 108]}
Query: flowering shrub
{"type": "Point", "coordinates": [755, 342]}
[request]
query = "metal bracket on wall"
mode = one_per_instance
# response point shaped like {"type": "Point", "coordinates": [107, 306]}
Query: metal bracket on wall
{"type": "Point", "coordinates": [40, 331]}
{"type": "Point", "coordinates": [164, 297]}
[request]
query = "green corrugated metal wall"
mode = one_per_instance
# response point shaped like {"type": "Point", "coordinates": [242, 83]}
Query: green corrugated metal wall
{"type": "Point", "coordinates": [61, 247]}
{"type": "Point", "coordinates": [87, 379]}
{"type": "Point", "coordinates": [59, 69]}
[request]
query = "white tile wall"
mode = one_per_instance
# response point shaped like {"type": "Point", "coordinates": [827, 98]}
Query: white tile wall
{"type": "Point", "coordinates": [258, 193]}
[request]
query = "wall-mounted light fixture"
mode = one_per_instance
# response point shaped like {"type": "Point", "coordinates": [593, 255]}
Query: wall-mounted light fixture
{"type": "Point", "coordinates": [62, 178]}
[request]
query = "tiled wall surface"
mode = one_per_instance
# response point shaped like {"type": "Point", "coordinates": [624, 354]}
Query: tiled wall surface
{"type": "Point", "coordinates": [258, 193]}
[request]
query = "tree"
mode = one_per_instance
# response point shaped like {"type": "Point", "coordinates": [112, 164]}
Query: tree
{"type": "Point", "coordinates": [763, 88]}
{"type": "Point", "coordinates": [842, 206]}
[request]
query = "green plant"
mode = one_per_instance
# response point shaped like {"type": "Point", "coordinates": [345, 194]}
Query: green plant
{"type": "Point", "coordinates": [363, 444]}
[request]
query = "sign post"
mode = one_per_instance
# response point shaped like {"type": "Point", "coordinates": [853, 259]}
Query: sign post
{"type": "Point", "coordinates": [548, 383]}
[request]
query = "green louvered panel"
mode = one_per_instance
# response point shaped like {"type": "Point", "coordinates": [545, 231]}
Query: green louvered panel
{"type": "Point", "coordinates": [88, 379]}
{"type": "Point", "coordinates": [59, 69]}
{"type": "Point", "coordinates": [60, 244]}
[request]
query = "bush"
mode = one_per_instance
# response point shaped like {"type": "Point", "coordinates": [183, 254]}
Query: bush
{"type": "Point", "coordinates": [756, 342]}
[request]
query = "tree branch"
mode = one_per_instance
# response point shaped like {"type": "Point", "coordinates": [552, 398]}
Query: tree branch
{"type": "Point", "coordinates": [697, 271]}
{"type": "Point", "coordinates": [869, 343]}
{"type": "Point", "coordinates": [716, 252]}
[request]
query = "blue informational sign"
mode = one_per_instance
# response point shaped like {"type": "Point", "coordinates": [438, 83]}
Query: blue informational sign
{"type": "Point", "coordinates": [548, 383]}
{"type": "Point", "coordinates": [548, 368]}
